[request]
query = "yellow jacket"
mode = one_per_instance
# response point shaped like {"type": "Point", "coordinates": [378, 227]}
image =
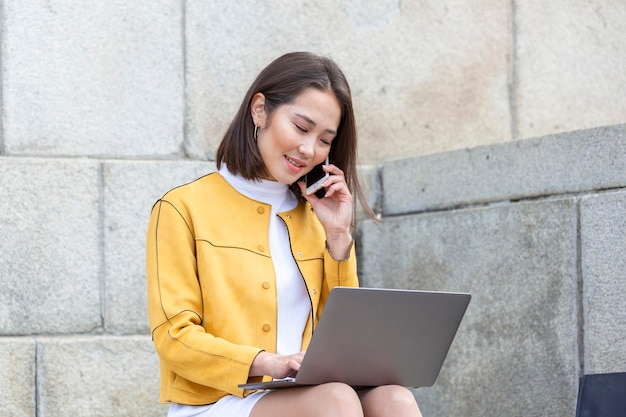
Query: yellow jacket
{"type": "Point", "coordinates": [211, 286]}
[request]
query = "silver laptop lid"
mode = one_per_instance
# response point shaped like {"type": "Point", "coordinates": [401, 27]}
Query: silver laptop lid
{"type": "Point", "coordinates": [372, 337]}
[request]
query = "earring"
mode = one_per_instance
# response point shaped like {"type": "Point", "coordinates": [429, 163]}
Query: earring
{"type": "Point", "coordinates": [256, 132]}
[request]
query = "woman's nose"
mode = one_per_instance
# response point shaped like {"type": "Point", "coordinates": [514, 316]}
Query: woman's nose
{"type": "Point", "coordinates": [307, 148]}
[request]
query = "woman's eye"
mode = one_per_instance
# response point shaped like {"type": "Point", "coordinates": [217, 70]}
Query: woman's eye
{"type": "Point", "coordinates": [301, 128]}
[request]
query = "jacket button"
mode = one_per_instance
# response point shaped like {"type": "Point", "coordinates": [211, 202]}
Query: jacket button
{"type": "Point", "coordinates": [266, 328]}
{"type": "Point", "coordinates": [260, 210]}
{"type": "Point", "coordinates": [266, 285]}
{"type": "Point", "coordinates": [261, 248]}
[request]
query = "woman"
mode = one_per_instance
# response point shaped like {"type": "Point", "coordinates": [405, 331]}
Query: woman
{"type": "Point", "coordinates": [240, 262]}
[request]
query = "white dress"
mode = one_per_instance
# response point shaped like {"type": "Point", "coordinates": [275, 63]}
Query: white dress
{"type": "Point", "coordinates": [293, 301]}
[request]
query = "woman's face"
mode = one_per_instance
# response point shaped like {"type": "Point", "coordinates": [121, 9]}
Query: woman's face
{"type": "Point", "coordinates": [298, 135]}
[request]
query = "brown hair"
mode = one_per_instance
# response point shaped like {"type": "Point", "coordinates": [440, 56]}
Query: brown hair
{"type": "Point", "coordinates": [281, 82]}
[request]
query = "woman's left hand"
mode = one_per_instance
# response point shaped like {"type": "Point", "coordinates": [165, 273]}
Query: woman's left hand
{"type": "Point", "coordinates": [334, 211]}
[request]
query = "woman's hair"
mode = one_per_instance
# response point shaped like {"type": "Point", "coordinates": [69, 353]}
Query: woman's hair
{"type": "Point", "coordinates": [281, 82]}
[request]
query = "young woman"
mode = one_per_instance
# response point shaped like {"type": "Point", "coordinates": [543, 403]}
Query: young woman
{"type": "Point", "coordinates": [241, 261]}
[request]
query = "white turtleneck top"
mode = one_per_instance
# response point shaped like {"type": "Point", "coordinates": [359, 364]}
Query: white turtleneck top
{"type": "Point", "coordinates": [293, 301]}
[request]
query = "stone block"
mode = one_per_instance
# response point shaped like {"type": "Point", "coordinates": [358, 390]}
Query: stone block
{"type": "Point", "coordinates": [566, 163]}
{"type": "Point", "coordinates": [51, 259]}
{"type": "Point", "coordinates": [17, 378]}
{"type": "Point", "coordinates": [569, 66]}
{"type": "Point", "coordinates": [130, 190]}
{"type": "Point", "coordinates": [424, 77]}
{"type": "Point", "coordinates": [516, 349]}
{"type": "Point", "coordinates": [603, 241]}
{"type": "Point", "coordinates": [98, 376]}
{"type": "Point", "coordinates": [104, 80]}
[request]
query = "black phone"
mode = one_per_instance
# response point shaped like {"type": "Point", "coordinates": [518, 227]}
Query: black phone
{"type": "Point", "coordinates": [315, 179]}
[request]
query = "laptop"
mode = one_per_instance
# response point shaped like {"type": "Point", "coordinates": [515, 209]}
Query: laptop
{"type": "Point", "coordinates": [371, 336]}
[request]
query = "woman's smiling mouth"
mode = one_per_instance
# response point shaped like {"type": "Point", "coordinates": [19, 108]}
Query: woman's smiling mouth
{"type": "Point", "coordinates": [294, 165]}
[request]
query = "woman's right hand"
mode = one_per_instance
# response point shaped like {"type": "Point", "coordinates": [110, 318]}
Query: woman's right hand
{"type": "Point", "coordinates": [276, 366]}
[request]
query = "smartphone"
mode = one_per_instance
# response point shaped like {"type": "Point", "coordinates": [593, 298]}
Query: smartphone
{"type": "Point", "coordinates": [315, 179]}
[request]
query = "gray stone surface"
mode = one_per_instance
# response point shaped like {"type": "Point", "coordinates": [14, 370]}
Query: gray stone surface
{"type": "Point", "coordinates": [130, 190]}
{"type": "Point", "coordinates": [566, 163]}
{"type": "Point", "coordinates": [100, 80]}
{"type": "Point", "coordinates": [98, 376]}
{"type": "Point", "coordinates": [121, 79]}
{"type": "Point", "coordinates": [424, 77]}
{"type": "Point", "coordinates": [17, 377]}
{"type": "Point", "coordinates": [51, 259]}
{"type": "Point", "coordinates": [516, 350]}
{"type": "Point", "coordinates": [603, 241]}
{"type": "Point", "coordinates": [570, 67]}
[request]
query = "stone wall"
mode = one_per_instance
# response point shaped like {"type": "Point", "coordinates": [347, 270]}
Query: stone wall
{"type": "Point", "coordinates": [536, 231]}
{"type": "Point", "coordinates": [162, 78]}
{"type": "Point", "coordinates": [73, 316]}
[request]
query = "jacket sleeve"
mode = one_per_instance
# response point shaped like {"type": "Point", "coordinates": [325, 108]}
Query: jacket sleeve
{"type": "Point", "coordinates": [337, 273]}
{"type": "Point", "coordinates": [175, 309]}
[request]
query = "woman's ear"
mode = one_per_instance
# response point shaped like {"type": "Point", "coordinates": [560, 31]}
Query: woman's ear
{"type": "Point", "coordinates": [257, 109]}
